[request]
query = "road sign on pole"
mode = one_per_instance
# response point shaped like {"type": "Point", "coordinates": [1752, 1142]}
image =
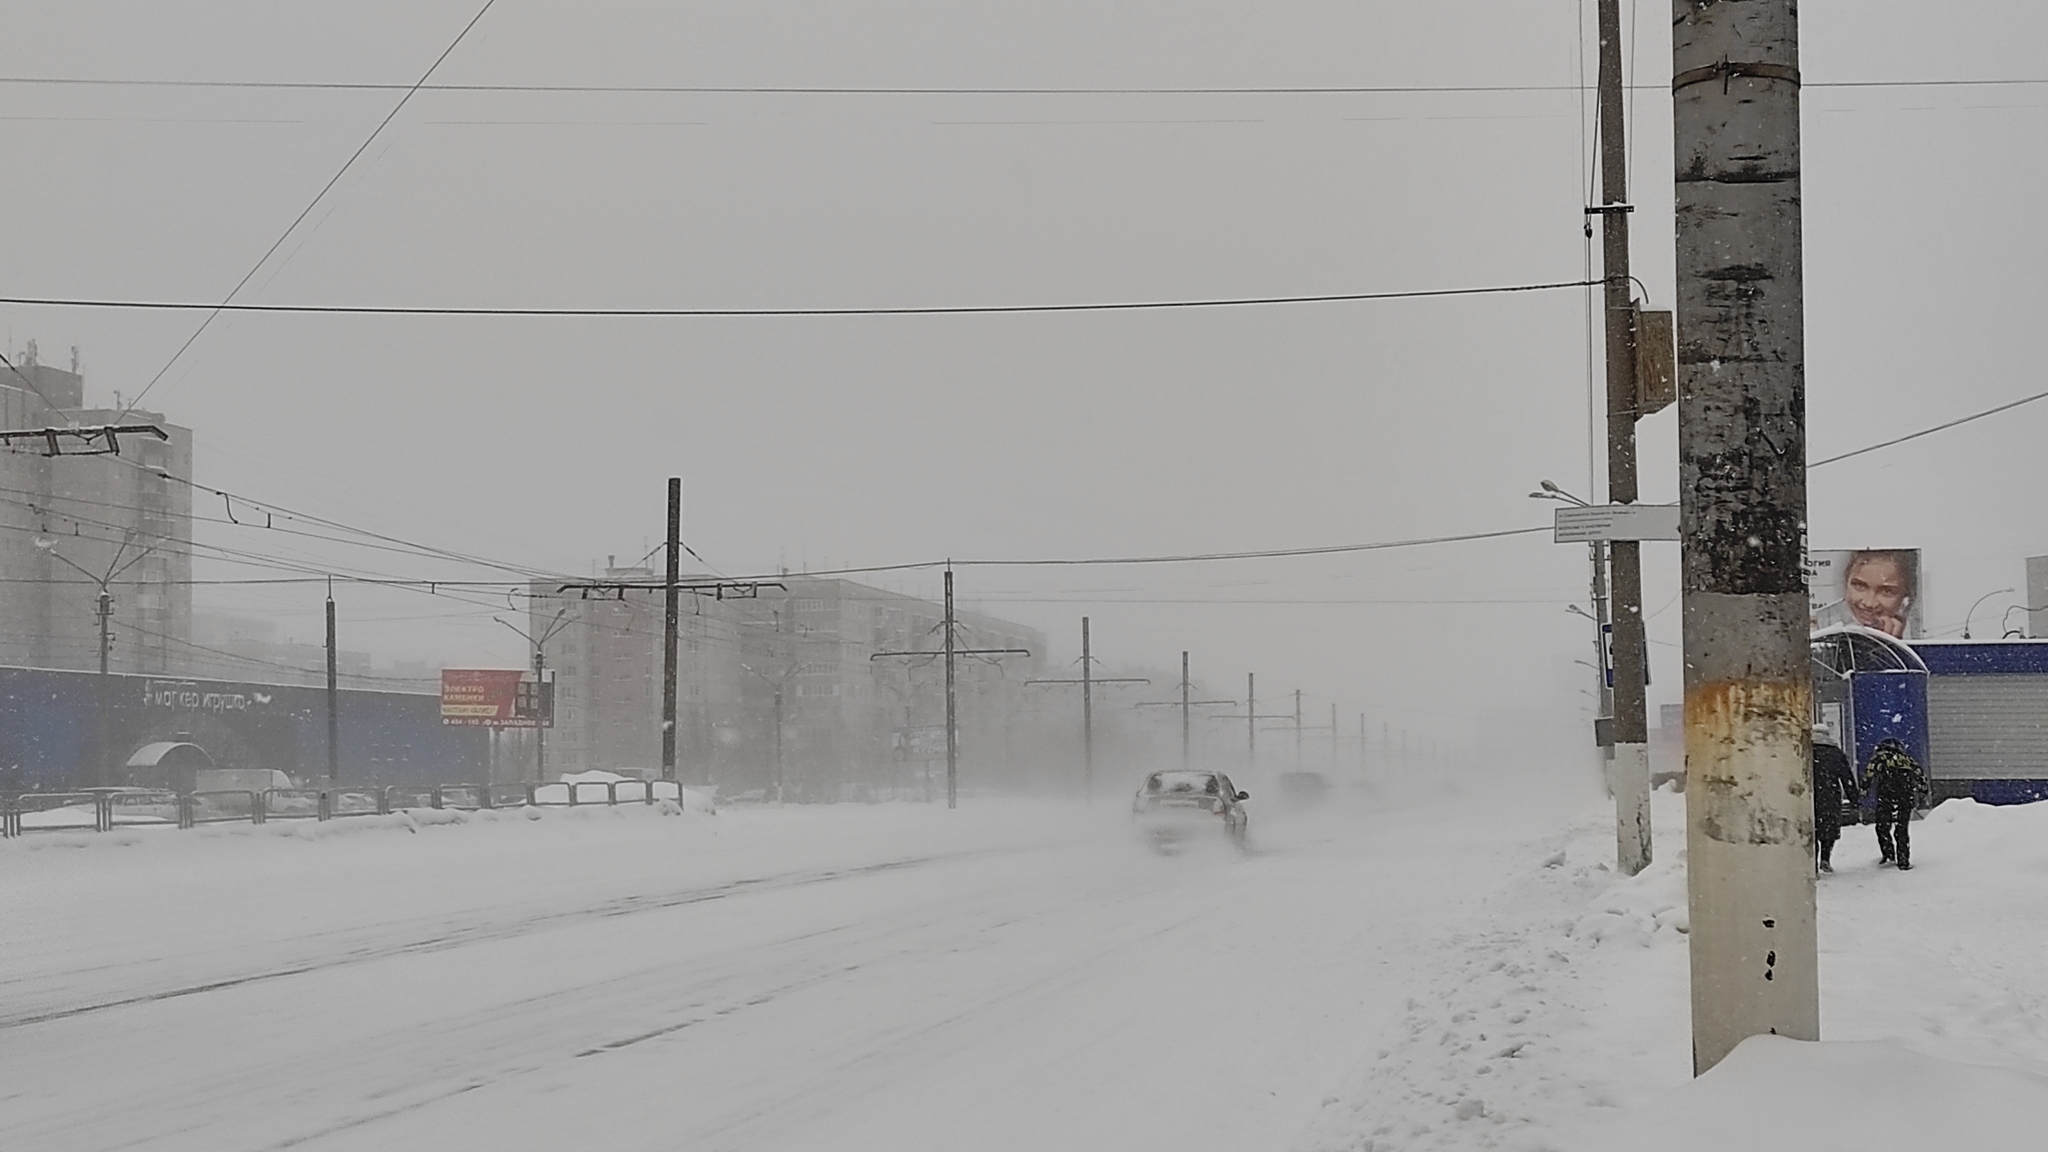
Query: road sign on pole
{"type": "Point", "coordinates": [1610, 522]}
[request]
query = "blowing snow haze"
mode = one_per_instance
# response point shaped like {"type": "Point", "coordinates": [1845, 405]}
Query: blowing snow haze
{"type": "Point", "coordinates": [769, 248]}
{"type": "Point", "coordinates": [835, 441]}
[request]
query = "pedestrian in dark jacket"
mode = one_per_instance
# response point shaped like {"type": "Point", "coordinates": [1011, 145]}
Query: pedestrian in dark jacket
{"type": "Point", "coordinates": [1834, 784]}
{"type": "Point", "coordinates": [1898, 782]}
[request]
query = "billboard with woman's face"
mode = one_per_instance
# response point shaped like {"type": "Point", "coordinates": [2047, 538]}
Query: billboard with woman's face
{"type": "Point", "coordinates": [1875, 587]}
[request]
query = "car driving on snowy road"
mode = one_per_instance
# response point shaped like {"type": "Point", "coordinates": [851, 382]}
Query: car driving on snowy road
{"type": "Point", "coordinates": [1179, 805]}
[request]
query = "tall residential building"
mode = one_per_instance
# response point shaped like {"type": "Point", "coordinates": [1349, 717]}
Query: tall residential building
{"type": "Point", "coordinates": [855, 726]}
{"type": "Point", "coordinates": [606, 653]}
{"type": "Point", "coordinates": [69, 524]}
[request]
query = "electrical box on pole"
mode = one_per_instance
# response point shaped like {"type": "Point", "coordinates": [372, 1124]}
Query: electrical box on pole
{"type": "Point", "coordinates": [1656, 363]}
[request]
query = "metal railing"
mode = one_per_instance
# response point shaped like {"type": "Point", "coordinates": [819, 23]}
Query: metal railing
{"type": "Point", "coordinates": [102, 810]}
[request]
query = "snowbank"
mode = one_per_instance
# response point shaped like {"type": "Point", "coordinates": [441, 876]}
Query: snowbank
{"type": "Point", "coordinates": [1564, 1009]}
{"type": "Point", "coordinates": [1777, 1095]}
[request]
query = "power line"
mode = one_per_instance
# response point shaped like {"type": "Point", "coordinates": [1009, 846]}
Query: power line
{"type": "Point", "coordinates": [880, 90]}
{"type": "Point", "coordinates": [1931, 431]}
{"type": "Point", "coordinates": [310, 205]}
{"type": "Point", "coordinates": [911, 310]}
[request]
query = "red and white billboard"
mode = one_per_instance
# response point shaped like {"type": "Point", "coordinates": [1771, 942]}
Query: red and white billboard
{"type": "Point", "coordinates": [496, 698]}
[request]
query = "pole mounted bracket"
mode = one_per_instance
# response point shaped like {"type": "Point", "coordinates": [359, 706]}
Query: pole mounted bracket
{"type": "Point", "coordinates": [1604, 209]}
{"type": "Point", "coordinates": [1725, 70]}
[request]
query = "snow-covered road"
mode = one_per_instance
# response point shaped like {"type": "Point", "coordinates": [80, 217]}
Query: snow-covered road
{"type": "Point", "coordinates": [1012, 975]}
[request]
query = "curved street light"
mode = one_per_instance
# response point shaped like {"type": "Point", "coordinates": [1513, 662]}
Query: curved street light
{"type": "Point", "coordinates": [1974, 607]}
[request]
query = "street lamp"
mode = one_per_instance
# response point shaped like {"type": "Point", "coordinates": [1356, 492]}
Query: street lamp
{"type": "Point", "coordinates": [105, 613]}
{"type": "Point", "coordinates": [1597, 552]}
{"type": "Point", "coordinates": [778, 683]}
{"type": "Point", "coordinates": [540, 663]}
{"type": "Point", "coordinates": [1974, 607]}
{"type": "Point", "coordinates": [1550, 491]}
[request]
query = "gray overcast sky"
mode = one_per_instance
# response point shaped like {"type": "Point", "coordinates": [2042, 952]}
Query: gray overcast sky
{"type": "Point", "coordinates": [873, 440]}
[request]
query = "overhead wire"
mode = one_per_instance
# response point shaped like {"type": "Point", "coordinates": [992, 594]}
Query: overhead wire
{"type": "Point", "coordinates": [410, 92]}
{"type": "Point", "coordinates": [927, 90]}
{"type": "Point", "coordinates": [1942, 427]}
{"type": "Point", "coordinates": [874, 310]}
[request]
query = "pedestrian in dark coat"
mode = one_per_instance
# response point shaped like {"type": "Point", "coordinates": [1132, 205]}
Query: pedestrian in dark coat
{"type": "Point", "coordinates": [1834, 784]}
{"type": "Point", "coordinates": [1898, 782]}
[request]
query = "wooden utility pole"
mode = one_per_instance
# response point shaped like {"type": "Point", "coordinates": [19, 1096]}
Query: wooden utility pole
{"type": "Point", "coordinates": [333, 695]}
{"type": "Point", "coordinates": [1087, 682]}
{"type": "Point", "coordinates": [1629, 774]}
{"type": "Point", "coordinates": [1742, 484]}
{"type": "Point", "coordinates": [672, 587]}
{"type": "Point", "coordinates": [951, 650]}
{"type": "Point", "coordinates": [671, 621]}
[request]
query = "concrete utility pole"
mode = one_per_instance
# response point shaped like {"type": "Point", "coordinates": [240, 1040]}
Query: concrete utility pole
{"type": "Point", "coordinates": [333, 696]}
{"type": "Point", "coordinates": [1186, 706]}
{"type": "Point", "coordinates": [671, 620]}
{"type": "Point", "coordinates": [1629, 774]}
{"type": "Point", "coordinates": [1297, 729]}
{"type": "Point", "coordinates": [1742, 483]}
{"type": "Point", "coordinates": [952, 650]}
{"type": "Point", "coordinates": [1087, 682]}
{"type": "Point", "coordinates": [1251, 718]}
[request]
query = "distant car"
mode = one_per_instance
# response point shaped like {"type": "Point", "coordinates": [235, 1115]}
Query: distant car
{"type": "Point", "coordinates": [1303, 788]}
{"type": "Point", "coordinates": [1177, 805]}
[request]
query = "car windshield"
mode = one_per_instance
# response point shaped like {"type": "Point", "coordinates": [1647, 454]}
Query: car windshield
{"type": "Point", "coordinates": [1182, 782]}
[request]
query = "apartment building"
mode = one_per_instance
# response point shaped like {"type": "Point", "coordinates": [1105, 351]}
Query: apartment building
{"type": "Point", "coordinates": [72, 524]}
{"type": "Point", "coordinates": [782, 693]}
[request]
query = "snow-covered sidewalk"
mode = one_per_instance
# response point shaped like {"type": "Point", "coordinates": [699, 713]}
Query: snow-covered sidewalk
{"type": "Point", "coordinates": [1560, 1017]}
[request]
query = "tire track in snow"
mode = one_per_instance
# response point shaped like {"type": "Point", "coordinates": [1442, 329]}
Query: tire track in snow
{"type": "Point", "coordinates": [622, 906]}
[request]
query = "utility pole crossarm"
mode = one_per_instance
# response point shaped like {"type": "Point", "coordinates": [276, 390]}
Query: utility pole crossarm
{"type": "Point", "coordinates": [108, 436]}
{"type": "Point", "coordinates": [719, 589]}
{"type": "Point", "coordinates": [1096, 680]}
{"type": "Point", "coordinates": [962, 652]}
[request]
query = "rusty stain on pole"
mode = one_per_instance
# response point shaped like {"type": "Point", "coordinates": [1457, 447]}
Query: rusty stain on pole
{"type": "Point", "coordinates": [1742, 479]}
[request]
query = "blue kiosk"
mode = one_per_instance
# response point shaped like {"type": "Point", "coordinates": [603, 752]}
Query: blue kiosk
{"type": "Point", "coordinates": [1987, 706]}
{"type": "Point", "coordinates": [1869, 687]}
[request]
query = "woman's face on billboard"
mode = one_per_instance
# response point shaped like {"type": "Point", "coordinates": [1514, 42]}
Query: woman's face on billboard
{"type": "Point", "coordinates": [1878, 594]}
